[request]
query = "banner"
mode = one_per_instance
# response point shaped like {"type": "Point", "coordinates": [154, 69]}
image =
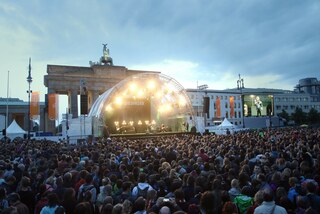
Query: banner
{"type": "Point", "coordinates": [218, 108]}
{"type": "Point", "coordinates": [231, 106]}
{"type": "Point", "coordinates": [53, 106]}
{"type": "Point", "coordinates": [34, 105]}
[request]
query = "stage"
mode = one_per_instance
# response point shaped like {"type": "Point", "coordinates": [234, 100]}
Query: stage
{"type": "Point", "coordinates": [148, 135]}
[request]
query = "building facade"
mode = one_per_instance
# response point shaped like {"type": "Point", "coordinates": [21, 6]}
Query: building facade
{"type": "Point", "coordinates": [220, 104]}
{"type": "Point", "coordinates": [306, 96]}
{"type": "Point", "coordinates": [18, 110]}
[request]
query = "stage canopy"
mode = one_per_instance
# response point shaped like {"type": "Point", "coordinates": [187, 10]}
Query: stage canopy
{"type": "Point", "coordinates": [148, 102]}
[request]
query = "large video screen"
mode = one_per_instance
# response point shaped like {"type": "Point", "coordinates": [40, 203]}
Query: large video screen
{"type": "Point", "coordinates": [257, 105]}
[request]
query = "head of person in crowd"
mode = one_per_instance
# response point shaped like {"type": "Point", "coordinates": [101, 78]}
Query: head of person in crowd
{"type": "Point", "coordinates": [206, 203]}
{"type": "Point", "coordinates": [83, 208]}
{"type": "Point", "coordinates": [229, 208]}
{"type": "Point", "coordinates": [139, 205]}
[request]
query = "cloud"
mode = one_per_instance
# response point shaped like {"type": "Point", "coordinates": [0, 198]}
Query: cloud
{"type": "Point", "coordinates": [270, 43]}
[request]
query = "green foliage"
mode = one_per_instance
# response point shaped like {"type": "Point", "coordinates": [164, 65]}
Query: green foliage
{"type": "Point", "coordinates": [284, 115]}
{"type": "Point", "coordinates": [313, 116]}
{"type": "Point", "coordinates": [299, 116]}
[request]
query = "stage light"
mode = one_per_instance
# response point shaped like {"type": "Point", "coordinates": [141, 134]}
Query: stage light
{"type": "Point", "coordinates": [182, 101]}
{"type": "Point", "coordinates": [118, 100]}
{"type": "Point", "coordinates": [124, 123]}
{"type": "Point", "coordinates": [158, 94]}
{"type": "Point", "coordinates": [140, 93]}
{"type": "Point", "coordinates": [167, 107]}
{"type": "Point", "coordinates": [133, 87]}
{"type": "Point", "coordinates": [108, 108]}
{"type": "Point", "coordinates": [116, 123]}
{"type": "Point", "coordinates": [161, 109]}
{"type": "Point", "coordinates": [147, 122]}
{"type": "Point", "coordinates": [131, 123]}
{"type": "Point", "coordinates": [151, 85]}
{"type": "Point", "coordinates": [139, 122]}
{"type": "Point", "coordinates": [153, 122]}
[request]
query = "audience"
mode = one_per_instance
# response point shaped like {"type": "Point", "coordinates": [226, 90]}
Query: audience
{"type": "Point", "coordinates": [277, 170]}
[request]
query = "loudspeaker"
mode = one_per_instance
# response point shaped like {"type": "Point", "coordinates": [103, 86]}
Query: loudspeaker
{"type": "Point", "coordinates": [206, 103]}
{"type": "Point", "coordinates": [46, 102]}
{"type": "Point", "coordinates": [83, 104]}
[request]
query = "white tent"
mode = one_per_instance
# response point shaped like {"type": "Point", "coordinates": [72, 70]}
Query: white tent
{"type": "Point", "coordinates": [226, 124]}
{"type": "Point", "coordinates": [14, 128]}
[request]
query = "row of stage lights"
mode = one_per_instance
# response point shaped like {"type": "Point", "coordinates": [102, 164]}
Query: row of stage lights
{"type": "Point", "coordinates": [152, 92]}
{"type": "Point", "coordinates": [124, 123]}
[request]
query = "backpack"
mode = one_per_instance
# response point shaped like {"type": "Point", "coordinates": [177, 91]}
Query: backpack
{"type": "Point", "coordinates": [83, 191]}
{"type": "Point", "coordinates": [243, 202]}
{"type": "Point", "coordinates": [142, 192]}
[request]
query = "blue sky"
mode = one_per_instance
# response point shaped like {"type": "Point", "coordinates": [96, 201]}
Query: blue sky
{"type": "Point", "coordinates": [272, 43]}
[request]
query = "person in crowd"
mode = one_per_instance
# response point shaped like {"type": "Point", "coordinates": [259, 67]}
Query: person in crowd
{"type": "Point", "coordinates": [26, 194]}
{"type": "Point", "coordinates": [14, 201]}
{"type": "Point", "coordinates": [268, 205]}
{"type": "Point", "coordinates": [53, 204]}
{"type": "Point", "coordinates": [142, 187]}
{"type": "Point", "coordinates": [87, 186]}
{"type": "Point", "coordinates": [69, 201]}
{"type": "Point", "coordinates": [235, 189]}
{"type": "Point", "coordinates": [312, 197]}
{"type": "Point", "coordinates": [3, 201]}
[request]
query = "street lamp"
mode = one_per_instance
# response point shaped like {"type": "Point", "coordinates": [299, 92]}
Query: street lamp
{"type": "Point", "coordinates": [201, 88]}
{"type": "Point", "coordinates": [29, 80]}
{"type": "Point", "coordinates": [240, 86]}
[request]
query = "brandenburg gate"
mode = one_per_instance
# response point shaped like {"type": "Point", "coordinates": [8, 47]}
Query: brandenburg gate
{"type": "Point", "coordinates": [95, 80]}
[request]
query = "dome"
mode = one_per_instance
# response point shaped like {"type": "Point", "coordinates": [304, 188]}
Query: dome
{"type": "Point", "coordinates": [143, 103]}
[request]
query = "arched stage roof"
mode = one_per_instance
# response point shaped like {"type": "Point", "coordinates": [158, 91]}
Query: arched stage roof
{"type": "Point", "coordinates": [157, 97]}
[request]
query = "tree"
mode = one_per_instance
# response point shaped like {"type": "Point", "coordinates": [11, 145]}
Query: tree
{"type": "Point", "coordinates": [313, 116]}
{"type": "Point", "coordinates": [299, 116]}
{"type": "Point", "coordinates": [284, 115]}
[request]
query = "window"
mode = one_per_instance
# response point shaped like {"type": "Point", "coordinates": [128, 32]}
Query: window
{"type": "Point", "coordinates": [227, 114]}
{"type": "Point", "coordinates": [278, 107]}
{"type": "Point", "coordinates": [235, 114]}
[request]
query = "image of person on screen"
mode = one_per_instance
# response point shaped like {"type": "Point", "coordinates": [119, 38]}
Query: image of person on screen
{"type": "Point", "coordinates": [259, 106]}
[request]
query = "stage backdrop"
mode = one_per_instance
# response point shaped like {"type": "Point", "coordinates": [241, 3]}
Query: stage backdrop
{"type": "Point", "coordinates": [130, 110]}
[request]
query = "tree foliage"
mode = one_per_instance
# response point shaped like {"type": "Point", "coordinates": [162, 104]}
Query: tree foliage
{"type": "Point", "coordinates": [299, 116]}
{"type": "Point", "coordinates": [284, 115]}
{"type": "Point", "coordinates": [313, 116]}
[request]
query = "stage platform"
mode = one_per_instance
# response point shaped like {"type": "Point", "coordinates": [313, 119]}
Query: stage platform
{"type": "Point", "coordinates": [148, 135]}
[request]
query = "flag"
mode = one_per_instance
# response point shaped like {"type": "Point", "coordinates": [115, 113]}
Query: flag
{"type": "Point", "coordinates": [231, 106]}
{"type": "Point", "coordinates": [34, 105]}
{"type": "Point", "coordinates": [53, 109]}
{"type": "Point", "coordinates": [218, 108]}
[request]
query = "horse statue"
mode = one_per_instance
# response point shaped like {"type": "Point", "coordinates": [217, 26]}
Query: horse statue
{"type": "Point", "coordinates": [106, 59]}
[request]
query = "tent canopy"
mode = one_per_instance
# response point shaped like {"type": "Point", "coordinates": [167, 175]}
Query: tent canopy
{"type": "Point", "coordinates": [226, 124]}
{"type": "Point", "coordinates": [14, 128]}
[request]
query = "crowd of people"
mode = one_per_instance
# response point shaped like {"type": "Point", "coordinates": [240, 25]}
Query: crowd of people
{"type": "Point", "coordinates": [260, 171]}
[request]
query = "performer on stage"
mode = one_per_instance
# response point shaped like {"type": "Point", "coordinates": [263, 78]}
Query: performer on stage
{"type": "Point", "coordinates": [259, 105]}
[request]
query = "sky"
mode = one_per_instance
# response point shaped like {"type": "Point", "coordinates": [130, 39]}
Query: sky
{"type": "Point", "coordinates": [272, 44]}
